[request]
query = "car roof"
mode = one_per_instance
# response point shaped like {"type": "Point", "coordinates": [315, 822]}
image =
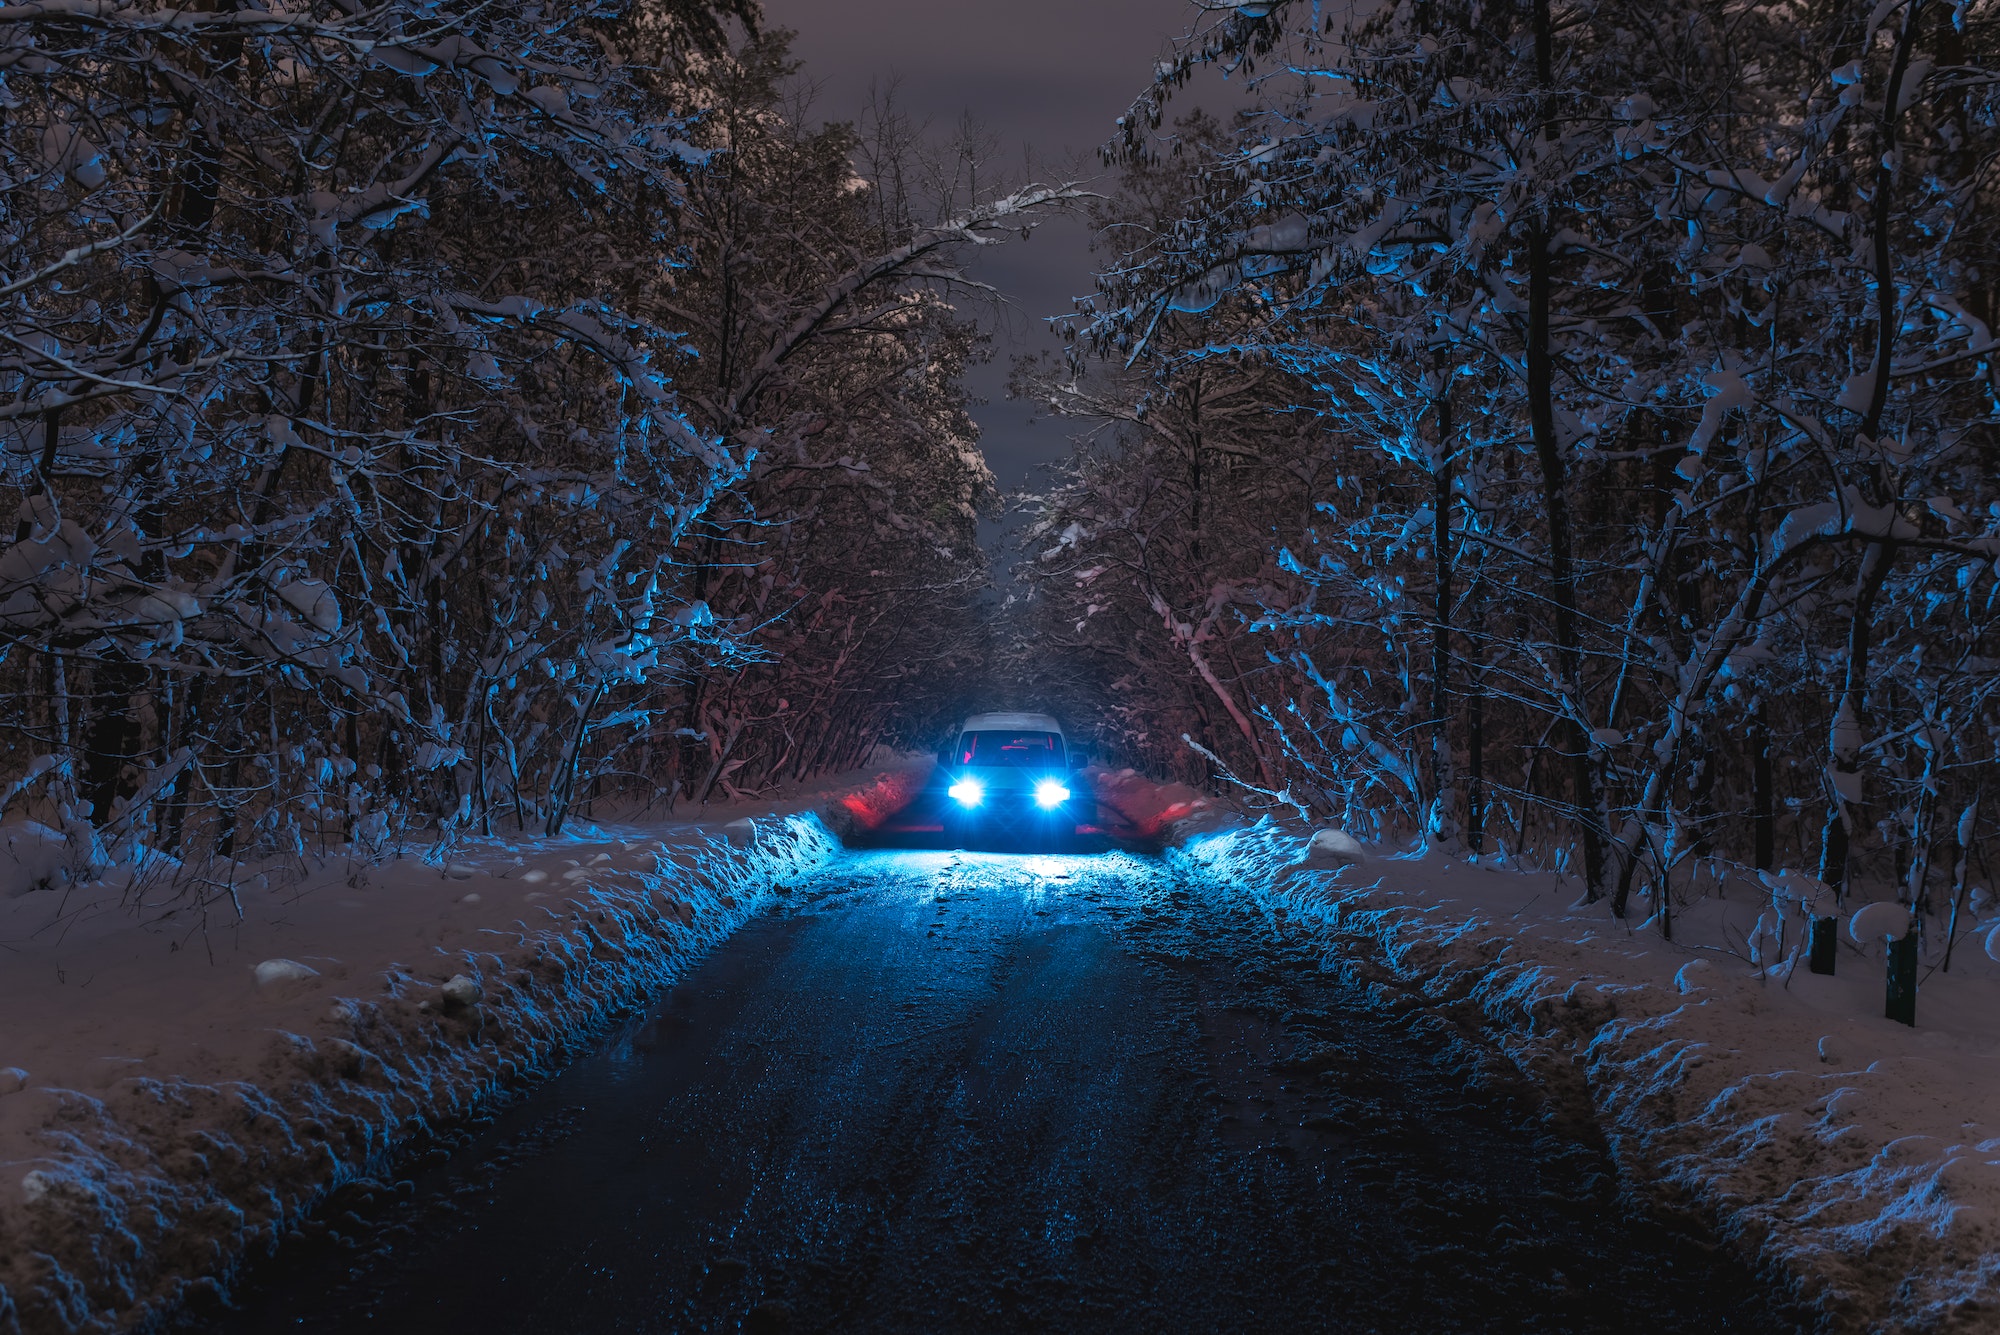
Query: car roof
{"type": "Point", "coordinates": [1012, 722]}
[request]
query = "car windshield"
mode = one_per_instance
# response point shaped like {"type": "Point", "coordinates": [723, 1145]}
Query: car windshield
{"type": "Point", "coordinates": [1011, 748]}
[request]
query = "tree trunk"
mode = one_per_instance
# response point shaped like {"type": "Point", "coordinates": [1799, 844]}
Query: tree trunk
{"type": "Point", "coordinates": [1962, 841]}
{"type": "Point", "coordinates": [1844, 741]}
{"type": "Point", "coordinates": [1539, 356]}
{"type": "Point", "coordinates": [565, 781]}
{"type": "Point", "coordinates": [111, 740]}
{"type": "Point", "coordinates": [1764, 829]}
{"type": "Point", "coordinates": [735, 731]}
{"type": "Point", "coordinates": [1562, 570]}
{"type": "Point", "coordinates": [1477, 726]}
{"type": "Point", "coordinates": [1442, 781]}
{"type": "Point", "coordinates": [1236, 714]}
{"type": "Point", "coordinates": [1845, 736]}
{"type": "Point", "coordinates": [1194, 474]}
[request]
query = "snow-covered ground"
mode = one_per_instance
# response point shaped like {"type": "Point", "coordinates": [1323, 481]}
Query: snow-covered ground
{"type": "Point", "coordinates": [174, 1094]}
{"type": "Point", "coordinates": [1857, 1159]}
{"type": "Point", "coordinates": [178, 1087]}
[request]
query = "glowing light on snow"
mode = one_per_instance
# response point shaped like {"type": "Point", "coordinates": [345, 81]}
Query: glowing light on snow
{"type": "Point", "coordinates": [888, 794]}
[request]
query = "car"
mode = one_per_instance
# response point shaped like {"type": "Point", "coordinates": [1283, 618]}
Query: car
{"type": "Point", "coordinates": [1012, 776]}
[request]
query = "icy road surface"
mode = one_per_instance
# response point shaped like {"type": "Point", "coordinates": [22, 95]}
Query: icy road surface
{"type": "Point", "coordinates": [972, 1092]}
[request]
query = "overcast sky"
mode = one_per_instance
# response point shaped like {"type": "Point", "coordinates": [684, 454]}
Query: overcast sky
{"type": "Point", "coordinates": [1050, 76]}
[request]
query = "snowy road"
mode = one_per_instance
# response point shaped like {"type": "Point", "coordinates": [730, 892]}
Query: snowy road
{"type": "Point", "coordinates": [981, 1092]}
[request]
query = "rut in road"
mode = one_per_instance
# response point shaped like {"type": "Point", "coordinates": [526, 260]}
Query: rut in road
{"type": "Point", "coordinates": [941, 1092]}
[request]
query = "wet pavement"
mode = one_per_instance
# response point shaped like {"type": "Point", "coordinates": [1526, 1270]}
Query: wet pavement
{"type": "Point", "coordinates": [983, 1092]}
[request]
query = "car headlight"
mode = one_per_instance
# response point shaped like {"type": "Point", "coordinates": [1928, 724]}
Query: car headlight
{"type": "Point", "coordinates": [968, 792]}
{"type": "Point", "coordinates": [1050, 793]}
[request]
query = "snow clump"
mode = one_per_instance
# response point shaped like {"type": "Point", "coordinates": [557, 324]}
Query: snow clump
{"type": "Point", "coordinates": [283, 971]}
{"type": "Point", "coordinates": [1874, 922]}
{"type": "Point", "coordinates": [32, 857]}
{"type": "Point", "coordinates": [461, 991]}
{"type": "Point", "coordinates": [1336, 846]}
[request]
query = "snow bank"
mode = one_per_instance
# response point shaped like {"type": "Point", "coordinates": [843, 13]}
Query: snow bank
{"type": "Point", "coordinates": [180, 1089]}
{"type": "Point", "coordinates": [866, 809]}
{"type": "Point", "coordinates": [32, 857]}
{"type": "Point", "coordinates": [1856, 1159]}
{"type": "Point", "coordinates": [1144, 810]}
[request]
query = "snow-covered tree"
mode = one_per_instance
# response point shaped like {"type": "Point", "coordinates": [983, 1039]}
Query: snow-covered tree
{"type": "Point", "coordinates": [818, 273]}
{"type": "Point", "coordinates": [384, 445]}
{"type": "Point", "coordinates": [1662, 332]}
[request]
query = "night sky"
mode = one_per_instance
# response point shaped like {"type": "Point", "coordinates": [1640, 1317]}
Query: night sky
{"type": "Point", "coordinates": [1047, 77]}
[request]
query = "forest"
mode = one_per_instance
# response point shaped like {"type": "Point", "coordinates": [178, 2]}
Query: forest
{"type": "Point", "coordinates": [442, 418]}
{"type": "Point", "coordinates": [1557, 431]}
{"type": "Point", "coordinates": [1562, 431]}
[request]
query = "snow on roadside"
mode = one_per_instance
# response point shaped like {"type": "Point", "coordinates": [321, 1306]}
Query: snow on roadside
{"type": "Point", "coordinates": [1856, 1159]}
{"type": "Point", "coordinates": [865, 808]}
{"type": "Point", "coordinates": [1142, 809]}
{"type": "Point", "coordinates": [174, 1097]}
